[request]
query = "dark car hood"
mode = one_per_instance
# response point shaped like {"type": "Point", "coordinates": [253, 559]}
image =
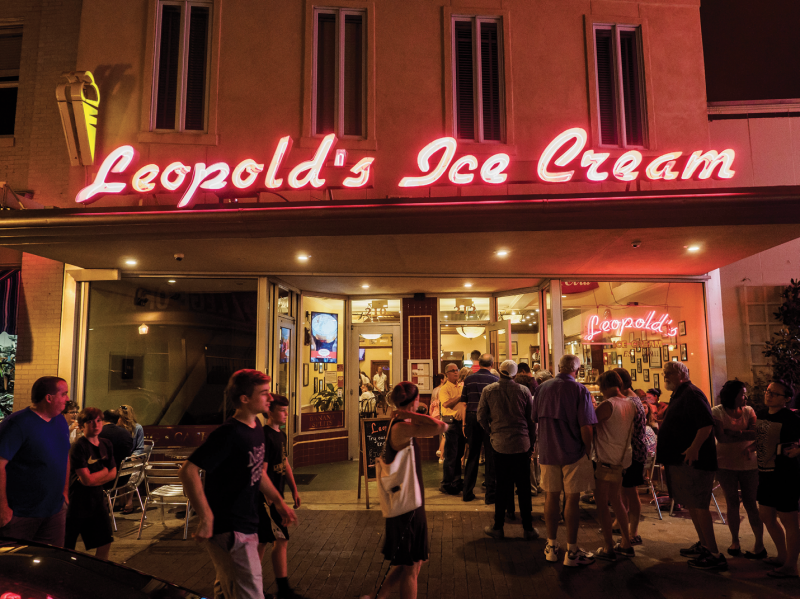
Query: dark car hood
{"type": "Point", "coordinates": [36, 571]}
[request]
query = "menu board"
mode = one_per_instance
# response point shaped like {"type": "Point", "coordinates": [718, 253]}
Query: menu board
{"type": "Point", "coordinates": [373, 436]}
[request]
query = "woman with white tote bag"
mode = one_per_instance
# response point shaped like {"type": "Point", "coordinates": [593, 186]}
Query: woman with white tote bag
{"type": "Point", "coordinates": [402, 492]}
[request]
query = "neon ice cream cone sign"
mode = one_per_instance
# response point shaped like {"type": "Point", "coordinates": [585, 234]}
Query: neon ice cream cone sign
{"type": "Point", "coordinates": [617, 326]}
{"type": "Point", "coordinates": [564, 160]}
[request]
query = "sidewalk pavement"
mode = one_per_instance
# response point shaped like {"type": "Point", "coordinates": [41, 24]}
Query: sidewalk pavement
{"type": "Point", "coordinates": [334, 552]}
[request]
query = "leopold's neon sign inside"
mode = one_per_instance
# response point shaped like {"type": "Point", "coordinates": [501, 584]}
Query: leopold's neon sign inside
{"type": "Point", "coordinates": [617, 326]}
{"type": "Point", "coordinates": [248, 176]}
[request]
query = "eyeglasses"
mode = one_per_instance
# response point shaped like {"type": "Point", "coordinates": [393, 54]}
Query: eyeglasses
{"type": "Point", "coordinates": [450, 371]}
{"type": "Point", "coordinates": [773, 394]}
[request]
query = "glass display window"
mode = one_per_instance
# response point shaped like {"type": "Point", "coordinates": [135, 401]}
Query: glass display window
{"type": "Point", "coordinates": [376, 311]}
{"type": "Point", "coordinates": [463, 309]}
{"type": "Point", "coordinates": [523, 312]}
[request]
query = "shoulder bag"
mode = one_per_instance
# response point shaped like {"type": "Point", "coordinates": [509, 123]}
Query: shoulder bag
{"type": "Point", "coordinates": [398, 487]}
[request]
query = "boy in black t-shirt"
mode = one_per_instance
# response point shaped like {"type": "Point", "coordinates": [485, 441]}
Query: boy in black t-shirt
{"type": "Point", "coordinates": [777, 436]}
{"type": "Point", "coordinates": [91, 464]}
{"type": "Point", "coordinates": [233, 459]}
{"type": "Point", "coordinates": [270, 529]}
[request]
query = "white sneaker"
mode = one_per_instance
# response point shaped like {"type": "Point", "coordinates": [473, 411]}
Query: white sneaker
{"type": "Point", "coordinates": [578, 558]}
{"type": "Point", "coordinates": [551, 552]}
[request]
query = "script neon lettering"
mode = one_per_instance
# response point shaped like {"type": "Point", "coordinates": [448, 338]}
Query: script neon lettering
{"type": "Point", "coordinates": [492, 169]}
{"type": "Point", "coordinates": [710, 160]}
{"type": "Point", "coordinates": [283, 147]}
{"type": "Point", "coordinates": [662, 324]}
{"type": "Point", "coordinates": [578, 138]}
{"type": "Point", "coordinates": [593, 161]}
{"type": "Point", "coordinates": [312, 167]}
{"type": "Point", "coordinates": [180, 170]}
{"type": "Point", "coordinates": [251, 167]}
{"type": "Point", "coordinates": [625, 167]}
{"type": "Point", "coordinates": [661, 167]}
{"type": "Point", "coordinates": [456, 176]}
{"type": "Point", "coordinates": [202, 178]}
{"type": "Point", "coordinates": [116, 162]}
{"type": "Point", "coordinates": [362, 170]}
{"type": "Point", "coordinates": [448, 144]}
{"type": "Point", "coordinates": [143, 178]}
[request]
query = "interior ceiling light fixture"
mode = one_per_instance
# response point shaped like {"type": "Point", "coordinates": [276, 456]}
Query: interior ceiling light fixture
{"type": "Point", "coordinates": [172, 281]}
{"type": "Point", "coordinates": [371, 336]}
{"type": "Point", "coordinates": [469, 332]}
{"type": "Point", "coordinates": [303, 257]}
{"type": "Point", "coordinates": [365, 286]}
{"type": "Point", "coordinates": [130, 262]}
{"type": "Point", "coordinates": [143, 329]}
{"type": "Point", "coordinates": [467, 284]}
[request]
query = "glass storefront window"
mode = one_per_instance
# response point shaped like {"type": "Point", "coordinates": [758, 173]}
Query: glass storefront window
{"type": "Point", "coordinates": [523, 312]}
{"type": "Point", "coordinates": [322, 393]}
{"type": "Point", "coordinates": [375, 369]}
{"type": "Point", "coordinates": [168, 349]}
{"type": "Point", "coordinates": [638, 326]}
{"type": "Point", "coordinates": [376, 311]}
{"type": "Point", "coordinates": [284, 301]}
{"type": "Point", "coordinates": [465, 309]}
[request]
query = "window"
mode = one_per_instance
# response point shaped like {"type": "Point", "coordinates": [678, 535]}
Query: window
{"type": "Point", "coordinates": [10, 54]}
{"type": "Point", "coordinates": [620, 85]}
{"type": "Point", "coordinates": [182, 66]}
{"type": "Point", "coordinates": [339, 72]}
{"type": "Point", "coordinates": [478, 79]}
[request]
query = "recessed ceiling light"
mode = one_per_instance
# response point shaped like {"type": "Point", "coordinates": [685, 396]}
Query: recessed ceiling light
{"type": "Point", "coordinates": [365, 286]}
{"type": "Point", "coordinates": [303, 257]}
{"type": "Point", "coordinates": [130, 262]}
{"type": "Point", "coordinates": [172, 281]}
{"type": "Point", "coordinates": [530, 324]}
{"type": "Point", "coordinates": [502, 253]}
{"type": "Point", "coordinates": [563, 296]}
{"type": "Point", "coordinates": [693, 248]}
{"type": "Point", "coordinates": [467, 284]}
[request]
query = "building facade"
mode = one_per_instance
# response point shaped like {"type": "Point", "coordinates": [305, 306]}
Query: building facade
{"type": "Point", "coordinates": [322, 189]}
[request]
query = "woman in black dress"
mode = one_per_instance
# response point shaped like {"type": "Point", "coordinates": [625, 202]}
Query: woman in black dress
{"type": "Point", "coordinates": [406, 544]}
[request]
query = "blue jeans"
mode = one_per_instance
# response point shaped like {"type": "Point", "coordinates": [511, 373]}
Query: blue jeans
{"type": "Point", "coordinates": [454, 443]}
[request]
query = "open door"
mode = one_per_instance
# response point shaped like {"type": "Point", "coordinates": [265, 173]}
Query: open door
{"type": "Point", "coordinates": [498, 341]}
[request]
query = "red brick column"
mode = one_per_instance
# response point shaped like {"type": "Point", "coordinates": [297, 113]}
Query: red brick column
{"type": "Point", "coordinates": [38, 325]}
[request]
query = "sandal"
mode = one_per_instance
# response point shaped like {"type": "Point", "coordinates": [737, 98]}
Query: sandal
{"type": "Point", "coordinates": [760, 555]}
{"type": "Point", "coordinates": [626, 551]}
{"type": "Point", "coordinates": [734, 552]}
{"type": "Point", "coordinates": [636, 540]}
{"type": "Point", "coordinates": [608, 556]}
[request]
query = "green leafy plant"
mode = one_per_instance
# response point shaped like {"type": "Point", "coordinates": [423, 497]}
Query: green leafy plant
{"type": "Point", "coordinates": [327, 399]}
{"type": "Point", "coordinates": [784, 347]}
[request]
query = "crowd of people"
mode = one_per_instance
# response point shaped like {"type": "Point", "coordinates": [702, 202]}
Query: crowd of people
{"type": "Point", "coordinates": [536, 433]}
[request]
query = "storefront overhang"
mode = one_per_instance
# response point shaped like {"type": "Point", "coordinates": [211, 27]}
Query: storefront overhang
{"type": "Point", "coordinates": [396, 241]}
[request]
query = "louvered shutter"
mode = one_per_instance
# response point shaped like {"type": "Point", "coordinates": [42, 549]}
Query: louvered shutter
{"type": "Point", "coordinates": [631, 87]}
{"type": "Point", "coordinates": [326, 73]}
{"type": "Point", "coordinates": [196, 69]}
{"type": "Point", "coordinates": [465, 89]}
{"type": "Point", "coordinates": [606, 87]}
{"type": "Point", "coordinates": [490, 81]}
{"type": "Point", "coordinates": [168, 65]}
{"type": "Point", "coordinates": [353, 76]}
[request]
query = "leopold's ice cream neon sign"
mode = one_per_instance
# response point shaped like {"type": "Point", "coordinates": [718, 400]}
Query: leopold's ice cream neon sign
{"type": "Point", "coordinates": [557, 164]}
{"type": "Point", "coordinates": [617, 326]}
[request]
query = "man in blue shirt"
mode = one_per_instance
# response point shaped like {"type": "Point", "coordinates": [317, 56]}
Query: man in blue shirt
{"type": "Point", "coordinates": [34, 466]}
{"type": "Point", "coordinates": [471, 395]}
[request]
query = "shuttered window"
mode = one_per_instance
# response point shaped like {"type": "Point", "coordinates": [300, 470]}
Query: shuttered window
{"type": "Point", "coordinates": [181, 80]}
{"type": "Point", "coordinates": [339, 86]}
{"type": "Point", "coordinates": [10, 55]}
{"type": "Point", "coordinates": [478, 79]}
{"type": "Point", "coordinates": [620, 96]}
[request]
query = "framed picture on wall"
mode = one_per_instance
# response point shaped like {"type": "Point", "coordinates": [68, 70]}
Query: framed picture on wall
{"type": "Point", "coordinates": [305, 375]}
{"type": "Point", "coordinates": [674, 358]}
{"type": "Point", "coordinates": [316, 384]}
{"type": "Point", "coordinates": [646, 375]}
{"type": "Point", "coordinates": [665, 353]}
{"type": "Point", "coordinates": [619, 360]}
{"type": "Point", "coordinates": [684, 353]}
{"type": "Point", "coordinates": [633, 374]}
{"type": "Point", "coordinates": [656, 382]}
{"type": "Point", "coordinates": [682, 328]}
{"type": "Point", "coordinates": [523, 360]}
{"type": "Point", "coordinates": [630, 336]}
{"type": "Point", "coordinates": [514, 348]}
{"type": "Point", "coordinates": [646, 357]}
{"type": "Point", "coordinates": [633, 355]}
{"type": "Point", "coordinates": [655, 357]}
{"type": "Point", "coordinates": [639, 365]}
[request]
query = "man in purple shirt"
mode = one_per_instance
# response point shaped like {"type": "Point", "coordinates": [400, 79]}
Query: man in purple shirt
{"type": "Point", "coordinates": [564, 412]}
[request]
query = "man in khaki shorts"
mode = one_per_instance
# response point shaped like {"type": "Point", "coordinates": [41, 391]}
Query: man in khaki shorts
{"type": "Point", "coordinates": [564, 412]}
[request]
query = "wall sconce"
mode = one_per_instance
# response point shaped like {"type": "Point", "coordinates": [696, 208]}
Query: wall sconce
{"type": "Point", "coordinates": [143, 329]}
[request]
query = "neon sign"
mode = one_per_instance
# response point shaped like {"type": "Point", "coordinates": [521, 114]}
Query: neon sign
{"type": "Point", "coordinates": [437, 162]}
{"type": "Point", "coordinates": [617, 326]}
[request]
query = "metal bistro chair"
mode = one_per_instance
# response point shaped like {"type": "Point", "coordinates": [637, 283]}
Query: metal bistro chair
{"type": "Point", "coordinates": [164, 487]}
{"type": "Point", "coordinates": [649, 471]}
{"type": "Point", "coordinates": [130, 474]}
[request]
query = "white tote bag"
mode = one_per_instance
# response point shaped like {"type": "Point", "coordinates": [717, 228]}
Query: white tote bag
{"type": "Point", "coordinates": [398, 486]}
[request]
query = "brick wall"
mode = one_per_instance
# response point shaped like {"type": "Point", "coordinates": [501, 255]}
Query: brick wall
{"type": "Point", "coordinates": [319, 448]}
{"type": "Point", "coordinates": [39, 324]}
{"type": "Point", "coordinates": [38, 160]}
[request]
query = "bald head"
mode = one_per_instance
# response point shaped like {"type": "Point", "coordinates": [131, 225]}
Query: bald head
{"type": "Point", "coordinates": [486, 361]}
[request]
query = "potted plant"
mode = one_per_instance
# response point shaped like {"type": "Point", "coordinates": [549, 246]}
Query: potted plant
{"type": "Point", "coordinates": [784, 347]}
{"type": "Point", "coordinates": [327, 399]}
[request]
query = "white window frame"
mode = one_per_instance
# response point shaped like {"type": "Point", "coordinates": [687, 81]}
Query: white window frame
{"type": "Point", "coordinates": [338, 119]}
{"type": "Point", "coordinates": [616, 28]}
{"type": "Point", "coordinates": [183, 59]}
{"type": "Point", "coordinates": [477, 78]}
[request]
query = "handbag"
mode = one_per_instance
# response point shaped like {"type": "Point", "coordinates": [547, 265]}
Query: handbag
{"type": "Point", "coordinates": [398, 486]}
